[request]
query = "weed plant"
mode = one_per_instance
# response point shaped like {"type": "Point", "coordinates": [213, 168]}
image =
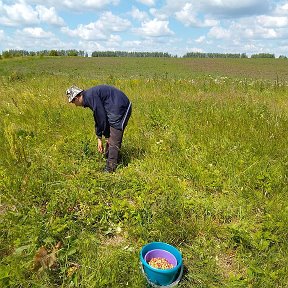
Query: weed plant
{"type": "Point", "coordinates": [204, 168]}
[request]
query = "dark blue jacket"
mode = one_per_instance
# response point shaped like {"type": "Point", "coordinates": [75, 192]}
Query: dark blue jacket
{"type": "Point", "coordinates": [110, 106]}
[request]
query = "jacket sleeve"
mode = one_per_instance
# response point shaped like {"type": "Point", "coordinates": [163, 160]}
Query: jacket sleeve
{"type": "Point", "coordinates": [101, 121]}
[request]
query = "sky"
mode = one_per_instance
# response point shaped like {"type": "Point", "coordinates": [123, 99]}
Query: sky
{"type": "Point", "coordinates": [172, 26]}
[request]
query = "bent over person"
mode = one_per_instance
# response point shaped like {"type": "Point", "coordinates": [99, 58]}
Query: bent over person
{"type": "Point", "coordinates": [111, 110]}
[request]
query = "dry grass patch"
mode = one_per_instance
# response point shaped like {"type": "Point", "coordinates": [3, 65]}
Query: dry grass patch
{"type": "Point", "coordinates": [228, 265]}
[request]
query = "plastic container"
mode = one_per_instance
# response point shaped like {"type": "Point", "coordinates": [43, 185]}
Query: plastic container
{"type": "Point", "coordinates": [160, 253]}
{"type": "Point", "coordinates": [161, 277]}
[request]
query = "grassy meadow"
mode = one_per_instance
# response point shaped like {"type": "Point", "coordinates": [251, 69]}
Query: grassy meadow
{"type": "Point", "coordinates": [204, 168]}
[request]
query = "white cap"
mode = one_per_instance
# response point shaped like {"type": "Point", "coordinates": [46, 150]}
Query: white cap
{"type": "Point", "coordinates": [72, 92]}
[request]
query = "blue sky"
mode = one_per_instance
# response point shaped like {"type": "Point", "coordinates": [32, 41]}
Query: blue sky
{"type": "Point", "coordinates": [173, 26]}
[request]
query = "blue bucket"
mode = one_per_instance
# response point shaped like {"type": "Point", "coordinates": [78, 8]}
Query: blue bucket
{"type": "Point", "coordinates": [158, 276]}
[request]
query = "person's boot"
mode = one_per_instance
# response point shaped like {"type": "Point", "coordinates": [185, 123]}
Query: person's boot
{"type": "Point", "coordinates": [107, 170]}
{"type": "Point", "coordinates": [110, 167]}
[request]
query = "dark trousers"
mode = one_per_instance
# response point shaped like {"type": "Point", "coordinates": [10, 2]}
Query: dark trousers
{"type": "Point", "coordinates": [113, 145]}
{"type": "Point", "coordinates": [112, 149]}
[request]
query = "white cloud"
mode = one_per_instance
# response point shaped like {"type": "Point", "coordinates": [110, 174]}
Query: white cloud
{"type": "Point", "coordinates": [111, 22]}
{"type": "Point", "coordinates": [147, 2]}
{"type": "Point", "coordinates": [151, 45]}
{"type": "Point", "coordinates": [254, 30]}
{"type": "Point", "coordinates": [155, 28]}
{"type": "Point", "coordinates": [101, 29]}
{"type": "Point", "coordinates": [200, 40]}
{"type": "Point", "coordinates": [232, 4]}
{"type": "Point", "coordinates": [232, 8]}
{"type": "Point", "coordinates": [22, 41]}
{"type": "Point", "coordinates": [271, 21]}
{"type": "Point", "coordinates": [247, 33]}
{"type": "Point", "coordinates": [282, 9]}
{"type": "Point", "coordinates": [112, 43]}
{"type": "Point", "coordinates": [90, 46]}
{"type": "Point", "coordinates": [36, 32]}
{"type": "Point", "coordinates": [217, 8]}
{"type": "Point", "coordinates": [173, 6]}
{"type": "Point", "coordinates": [2, 35]}
{"type": "Point", "coordinates": [49, 15]}
{"type": "Point", "coordinates": [170, 8]}
{"type": "Point", "coordinates": [88, 32]}
{"type": "Point", "coordinates": [194, 49]}
{"type": "Point", "coordinates": [138, 15]}
{"type": "Point", "coordinates": [188, 16]}
{"type": "Point", "coordinates": [240, 33]}
{"type": "Point", "coordinates": [219, 33]}
{"type": "Point", "coordinates": [265, 33]}
{"type": "Point", "coordinates": [159, 14]}
{"type": "Point", "coordinates": [74, 4]}
{"type": "Point", "coordinates": [133, 45]}
{"type": "Point", "coordinates": [21, 13]}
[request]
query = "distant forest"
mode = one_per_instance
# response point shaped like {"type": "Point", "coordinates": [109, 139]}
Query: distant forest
{"type": "Point", "coordinates": [21, 53]}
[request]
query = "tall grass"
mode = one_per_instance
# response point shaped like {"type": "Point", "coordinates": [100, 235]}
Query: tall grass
{"type": "Point", "coordinates": [204, 167]}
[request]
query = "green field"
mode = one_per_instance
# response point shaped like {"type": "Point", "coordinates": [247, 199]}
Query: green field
{"type": "Point", "coordinates": [204, 168]}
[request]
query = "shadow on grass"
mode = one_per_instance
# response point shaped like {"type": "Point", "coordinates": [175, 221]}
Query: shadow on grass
{"type": "Point", "coordinates": [129, 153]}
{"type": "Point", "coordinates": [183, 281]}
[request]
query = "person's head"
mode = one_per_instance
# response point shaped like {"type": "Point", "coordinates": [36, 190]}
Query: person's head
{"type": "Point", "coordinates": [74, 95]}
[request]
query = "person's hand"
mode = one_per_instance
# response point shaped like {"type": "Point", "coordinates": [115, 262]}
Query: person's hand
{"type": "Point", "coordinates": [100, 146]}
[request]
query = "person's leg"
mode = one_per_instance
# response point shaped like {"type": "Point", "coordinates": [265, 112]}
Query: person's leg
{"type": "Point", "coordinates": [115, 141]}
{"type": "Point", "coordinates": [106, 151]}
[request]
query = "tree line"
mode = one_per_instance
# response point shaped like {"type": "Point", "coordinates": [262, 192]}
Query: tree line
{"type": "Point", "coordinates": [229, 55]}
{"type": "Point", "coordinates": [72, 52]}
{"type": "Point", "coordinates": [19, 53]}
{"type": "Point", "coordinates": [214, 55]}
{"type": "Point", "coordinates": [130, 54]}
